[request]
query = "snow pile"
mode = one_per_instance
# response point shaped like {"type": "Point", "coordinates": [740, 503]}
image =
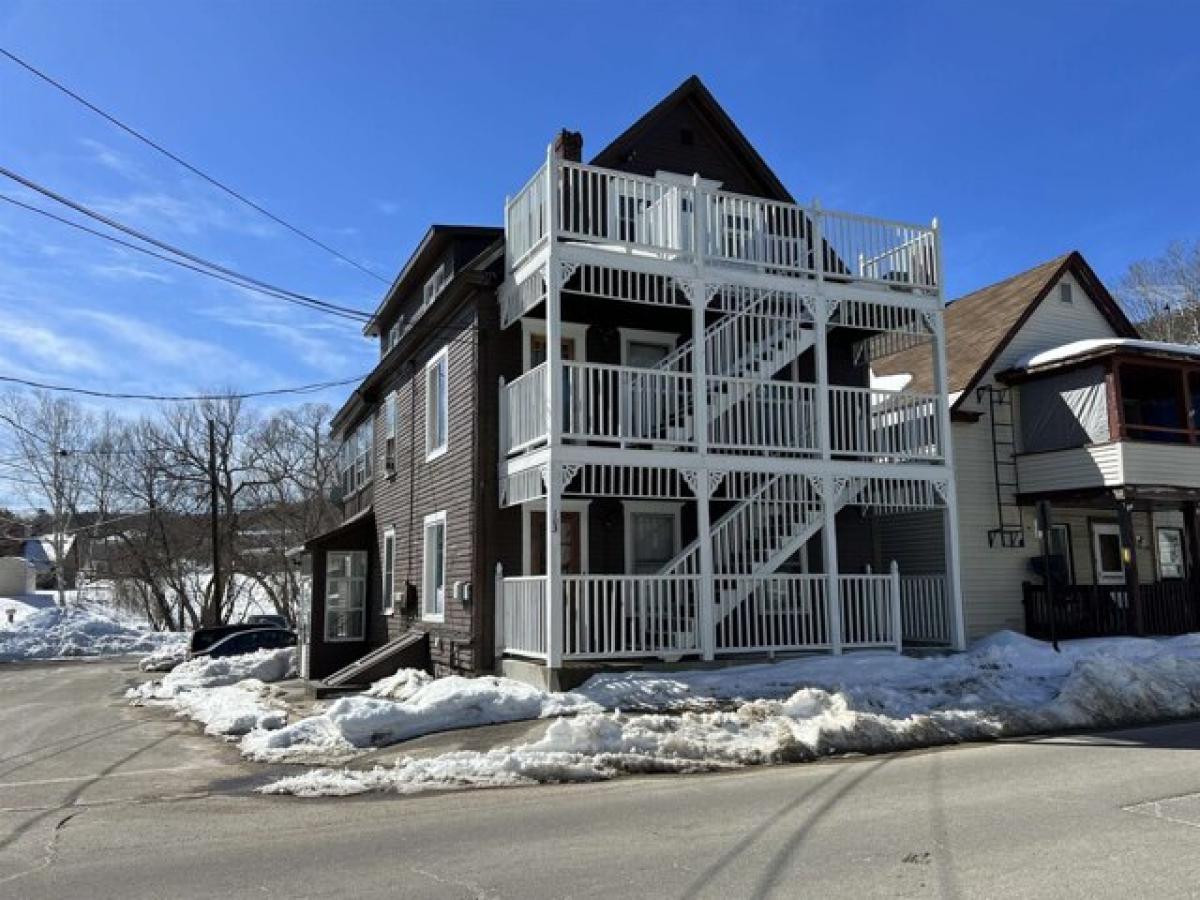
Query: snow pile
{"type": "Point", "coordinates": [164, 659]}
{"type": "Point", "coordinates": [89, 630]}
{"type": "Point", "coordinates": [804, 709]}
{"type": "Point", "coordinates": [229, 696]}
{"type": "Point", "coordinates": [361, 721]}
{"type": "Point", "coordinates": [400, 686]}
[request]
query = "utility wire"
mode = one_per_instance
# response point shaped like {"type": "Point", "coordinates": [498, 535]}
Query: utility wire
{"type": "Point", "coordinates": [162, 256]}
{"type": "Point", "coordinates": [191, 168]}
{"type": "Point", "coordinates": [180, 398]}
{"type": "Point", "coordinates": [293, 296]}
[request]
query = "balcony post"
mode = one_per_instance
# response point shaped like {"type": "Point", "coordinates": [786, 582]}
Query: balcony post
{"type": "Point", "coordinates": [822, 423]}
{"type": "Point", "coordinates": [897, 613]}
{"type": "Point", "coordinates": [830, 561]}
{"type": "Point", "coordinates": [706, 620]}
{"type": "Point", "coordinates": [552, 477]}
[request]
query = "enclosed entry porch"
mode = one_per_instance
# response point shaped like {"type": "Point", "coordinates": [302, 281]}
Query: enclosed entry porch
{"type": "Point", "coordinates": [791, 563]}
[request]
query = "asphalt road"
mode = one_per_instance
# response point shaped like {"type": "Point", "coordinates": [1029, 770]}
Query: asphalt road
{"type": "Point", "coordinates": [100, 800]}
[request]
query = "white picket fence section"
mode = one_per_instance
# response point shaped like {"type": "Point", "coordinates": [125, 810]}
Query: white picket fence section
{"type": "Point", "coordinates": [626, 404]}
{"type": "Point", "coordinates": [870, 610]}
{"type": "Point", "coordinates": [925, 609]}
{"type": "Point", "coordinates": [778, 613]}
{"type": "Point", "coordinates": [527, 218]}
{"type": "Point", "coordinates": [766, 416]}
{"type": "Point", "coordinates": [522, 615]}
{"type": "Point", "coordinates": [884, 425]}
{"type": "Point", "coordinates": [626, 616]}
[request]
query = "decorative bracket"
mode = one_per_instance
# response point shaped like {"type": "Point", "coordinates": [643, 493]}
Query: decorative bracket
{"type": "Point", "coordinates": [942, 486]}
{"type": "Point", "coordinates": [568, 471]}
{"type": "Point", "coordinates": [933, 321]}
{"type": "Point", "coordinates": [566, 268]}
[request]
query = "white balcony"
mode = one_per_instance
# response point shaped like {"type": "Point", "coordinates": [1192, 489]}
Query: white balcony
{"type": "Point", "coordinates": [682, 220]}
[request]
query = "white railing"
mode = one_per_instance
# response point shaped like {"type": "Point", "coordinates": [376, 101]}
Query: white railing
{"type": "Point", "coordinates": [523, 615]}
{"type": "Point", "coordinates": [870, 610]}
{"type": "Point", "coordinates": [769, 416]}
{"type": "Point", "coordinates": [523, 404]}
{"type": "Point", "coordinates": [618, 208]}
{"type": "Point", "coordinates": [527, 218]}
{"type": "Point", "coordinates": [633, 212]}
{"type": "Point", "coordinates": [740, 230]}
{"type": "Point", "coordinates": [758, 340]}
{"type": "Point", "coordinates": [626, 404]}
{"type": "Point", "coordinates": [622, 616]}
{"type": "Point", "coordinates": [771, 612]}
{"type": "Point", "coordinates": [924, 611]}
{"type": "Point", "coordinates": [884, 425]}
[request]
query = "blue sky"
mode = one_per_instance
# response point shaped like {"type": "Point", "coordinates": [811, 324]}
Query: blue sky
{"type": "Point", "coordinates": [1027, 128]}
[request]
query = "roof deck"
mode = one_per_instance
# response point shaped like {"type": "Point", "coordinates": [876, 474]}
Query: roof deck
{"type": "Point", "coordinates": [684, 219]}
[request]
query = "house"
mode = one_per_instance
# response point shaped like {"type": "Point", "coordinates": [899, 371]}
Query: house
{"type": "Point", "coordinates": [1054, 399]}
{"type": "Point", "coordinates": [638, 423]}
{"type": "Point", "coordinates": [41, 551]}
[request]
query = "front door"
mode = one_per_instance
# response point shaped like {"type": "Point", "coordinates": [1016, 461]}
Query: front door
{"type": "Point", "coordinates": [1106, 551]}
{"type": "Point", "coordinates": [570, 534]}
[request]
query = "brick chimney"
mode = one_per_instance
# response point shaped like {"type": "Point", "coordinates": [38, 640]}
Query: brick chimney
{"type": "Point", "coordinates": [568, 145]}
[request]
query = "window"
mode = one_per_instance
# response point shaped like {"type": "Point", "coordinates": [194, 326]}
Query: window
{"type": "Point", "coordinates": [436, 283]}
{"type": "Point", "coordinates": [1060, 548]}
{"type": "Point", "coordinates": [645, 349]}
{"type": "Point", "coordinates": [437, 401]}
{"type": "Point", "coordinates": [1170, 553]}
{"type": "Point", "coordinates": [389, 572]}
{"type": "Point", "coordinates": [1065, 292]}
{"type": "Point", "coordinates": [355, 465]}
{"type": "Point", "coordinates": [390, 411]}
{"type": "Point", "coordinates": [1106, 548]}
{"type": "Point", "coordinates": [433, 601]}
{"type": "Point", "coordinates": [651, 536]}
{"type": "Point", "coordinates": [345, 594]}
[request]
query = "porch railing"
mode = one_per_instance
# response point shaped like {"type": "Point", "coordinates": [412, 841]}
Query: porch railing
{"type": "Point", "coordinates": [523, 615]}
{"type": "Point", "coordinates": [523, 404]}
{"type": "Point", "coordinates": [884, 425]}
{"type": "Point", "coordinates": [773, 612]}
{"type": "Point", "coordinates": [925, 610]}
{"type": "Point", "coordinates": [623, 616]}
{"type": "Point", "coordinates": [870, 610]}
{"type": "Point", "coordinates": [629, 212]}
{"type": "Point", "coordinates": [626, 404]}
{"type": "Point", "coordinates": [1099, 610]}
{"type": "Point", "coordinates": [773, 416]}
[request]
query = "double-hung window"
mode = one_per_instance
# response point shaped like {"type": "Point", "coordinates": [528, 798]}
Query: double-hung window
{"type": "Point", "coordinates": [390, 408]}
{"type": "Point", "coordinates": [389, 572]}
{"type": "Point", "coordinates": [345, 594]}
{"type": "Point", "coordinates": [437, 404]}
{"type": "Point", "coordinates": [354, 457]}
{"type": "Point", "coordinates": [433, 600]}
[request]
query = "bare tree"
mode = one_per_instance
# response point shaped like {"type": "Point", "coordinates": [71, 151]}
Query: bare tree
{"type": "Point", "coordinates": [50, 436]}
{"type": "Point", "coordinates": [1162, 295]}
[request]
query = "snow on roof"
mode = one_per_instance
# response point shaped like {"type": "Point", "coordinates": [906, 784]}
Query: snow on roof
{"type": "Point", "coordinates": [45, 543]}
{"type": "Point", "coordinates": [1095, 345]}
{"type": "Point", "coordinates": [897, 382]}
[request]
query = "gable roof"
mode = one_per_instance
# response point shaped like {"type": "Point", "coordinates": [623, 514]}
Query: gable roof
{"type": "Point", "coordinates": [693, 92]}
{"type": "Point", "coordinates": [981, 324]}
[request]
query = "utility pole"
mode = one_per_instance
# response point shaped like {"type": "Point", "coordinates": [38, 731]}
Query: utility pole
{"type": "Point", "coordinates": [214, 516]}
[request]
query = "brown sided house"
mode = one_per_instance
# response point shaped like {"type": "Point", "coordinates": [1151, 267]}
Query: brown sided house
{"type": "Point", "coordinates": [1054, 398]}
{"type": "Point", "coordinates": [638, 423]}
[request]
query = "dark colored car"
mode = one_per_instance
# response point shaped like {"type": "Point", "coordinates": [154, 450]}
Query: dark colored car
{"type": "Point", "coordinates": [203, 638]}
{"type": "Point", "coordinates": [272, 620]}
{"type": "Point", "coordinates": [249, 641]}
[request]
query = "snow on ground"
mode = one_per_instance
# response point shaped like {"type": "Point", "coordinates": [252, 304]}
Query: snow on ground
{"type": "Point", "coordinates": [83, 630]}
{"type": "Point", "coordinates": [806, 708]}
{"type": "Point", "coordinates": [358, 722]}
{"type": "Point", "coordinates": [230, 696]}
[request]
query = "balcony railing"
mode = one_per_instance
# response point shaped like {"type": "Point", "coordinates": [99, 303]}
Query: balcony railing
{"type": "Point", "coordinates": [670, 220]}
{"type": "Point", "coordinates": [625, 405]}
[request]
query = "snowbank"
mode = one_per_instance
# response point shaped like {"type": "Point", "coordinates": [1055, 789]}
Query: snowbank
{"type": "Point", "coordinates": [362, 721]}
{"type": "Point", "coordinates": [229, 696]}
{"type": "Point", "coordinates": [89, 630]}
{"type": "Point", "coordinates": [803, 709]}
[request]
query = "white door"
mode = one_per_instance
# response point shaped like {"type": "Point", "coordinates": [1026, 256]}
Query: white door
{"type": "Point", "coordinates": [1106, 551]}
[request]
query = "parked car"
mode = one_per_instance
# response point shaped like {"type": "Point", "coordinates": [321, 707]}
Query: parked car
{"type": "Point", "coordinates": [268, 619]}
{"type": "Point", "coordinates": [249, 641]}
{"type": "Point", "coordinates": [203, 638]}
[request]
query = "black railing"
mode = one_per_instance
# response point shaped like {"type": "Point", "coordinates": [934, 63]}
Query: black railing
{"type": "Point", "coordinates": [1087, 610]}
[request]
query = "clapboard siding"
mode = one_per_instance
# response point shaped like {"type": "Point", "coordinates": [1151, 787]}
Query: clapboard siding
{"type": "Point", "coordinates": [1161, 464]}
{"type": "Point", "coordinates": [916, 541]}
{"type": "Point", "coordinates": [1094, 466]}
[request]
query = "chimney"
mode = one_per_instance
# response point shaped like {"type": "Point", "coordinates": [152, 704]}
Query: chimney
{"type": "Point", "coordinates": [568, 145]}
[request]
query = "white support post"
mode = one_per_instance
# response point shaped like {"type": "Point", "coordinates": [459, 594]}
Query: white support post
{"type": "Point", "coordinates": [897, 623]}
{"type": "Point", "coordinates": [554, 419]}
{"type": "Point", "coordinates": [707, 617]}
{"type": "Point", "coordinates": [554, 582]}
{"type": "Point", "coordinates": [502, 403]}
{"type": "Point", "coordinates": [498, 606]}
{"type": "Point", "coordinates": [830, 560]}
{"type": "Point", "coordinates": [954, 598]}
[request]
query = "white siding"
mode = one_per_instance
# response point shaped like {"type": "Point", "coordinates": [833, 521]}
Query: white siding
{"type": "Point", "coordinates": [1095, 466]}
{"type": "Point", "coordinates": [1177, 465]}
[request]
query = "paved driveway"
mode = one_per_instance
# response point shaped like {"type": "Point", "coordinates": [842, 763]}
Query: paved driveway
{"type": "Point", "coordinates": [100, 800]}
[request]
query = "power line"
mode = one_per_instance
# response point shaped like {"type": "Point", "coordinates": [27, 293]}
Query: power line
{"type": "Point", "coordinates": [291, 296]}
{"type": "Point", "coordinates": [163, 256]}
{"type": "Point", "coordinates": [179, 398]}
{"type": "Point", "coordinates": [191, 168]}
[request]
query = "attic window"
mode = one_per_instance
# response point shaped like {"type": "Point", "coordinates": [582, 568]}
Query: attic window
{"type": "Point", "coordinates": [1064, 292]}
{"type": "Point", "coordinates": [438, 280]}
{"type": "Point", "coordinates": [686, 137]}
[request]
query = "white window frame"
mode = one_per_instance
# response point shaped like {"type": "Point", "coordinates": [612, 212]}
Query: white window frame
{"type": "Point", "coordinates": [387, 570]}
{"type": "Point", "coordinates": [391, 407]}
{"type": "Point", "coordinates": [435, 284]}
{"type": "Point", "coordinates": [427, 588]}
{"type": "Point", "coordinates": [440, 359]}
{"type": "Point", "coordinates": [1112, 577]}
{"type": "Point", "coordinates": [659, 507]}
{"type": "Point", "coordinates": [1158, 558]}
{"type": "Point", "coordinates": [527, 536]}
{"type": "Point", "coordinates": [644, 336]}
{"type": "Point", "coordinates": [575, 331]}
{"type": "Point", "coordinates": [350, 607]}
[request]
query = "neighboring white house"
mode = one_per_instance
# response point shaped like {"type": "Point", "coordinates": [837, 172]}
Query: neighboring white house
{"type": "Point", "coordinates": [1054, 398]}
{"type": "Point", "coordinates": [41, 553]}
